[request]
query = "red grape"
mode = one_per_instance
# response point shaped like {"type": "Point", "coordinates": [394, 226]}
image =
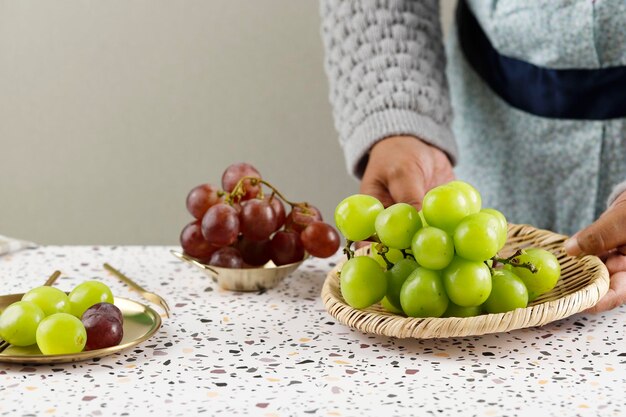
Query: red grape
{"type": "Point", "coordinates": [257, 219]}
{"type": "Point", "coordinates": [300, 216]}
{"type": "Point", "coordinates": [106, 309]}
{"type": "Point", "coordinates": [102, 331]}
{"type": "Point", "coordinates": [237, 171]}
{"type": "Point", "coordinates": [255, 253]}
{"type": "Point", "coordinates": [193, 242]}
{"type": "Point", "coordinates": [220, 225]}
{"type": "Point", "coordinates": [226, 257]}
{"type": "Point", "coordinates": [286, 248]}
{"type": "Point", "coordinates": [320, 239]}
{"type": "Point", "coordinates": [279, 210]}
{"type": "Point", "coordinates": [201, 198]}
{"type": "Point", "coordinates": [237, 207]}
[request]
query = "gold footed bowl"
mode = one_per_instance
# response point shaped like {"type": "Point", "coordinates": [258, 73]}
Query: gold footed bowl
{"type": "Point", "coordinates": [244, 279]}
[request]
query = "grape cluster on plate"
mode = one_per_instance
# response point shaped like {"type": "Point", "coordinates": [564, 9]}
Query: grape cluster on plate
{"type": "Point", "coordinates": [242, 226]}
{"type": "Point", "coordinates": [441, 261]}
{"type": "Point", "coordinates": [60, 323]}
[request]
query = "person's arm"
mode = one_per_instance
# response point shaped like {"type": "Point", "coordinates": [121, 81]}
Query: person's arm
{"type": "Point", "coordinates": [385, 64]}
{"type": "Point", "coordinates": [606, 237]}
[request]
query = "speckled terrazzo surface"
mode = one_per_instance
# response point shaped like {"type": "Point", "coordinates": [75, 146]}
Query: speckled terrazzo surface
{"type": "Point", "coordinates": [280, 354]}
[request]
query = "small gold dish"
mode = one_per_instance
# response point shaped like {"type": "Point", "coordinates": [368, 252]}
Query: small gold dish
{"type": "Point", "coordinates": [244, 279]}
{"type": "Point", "coordinates": [140, 323]}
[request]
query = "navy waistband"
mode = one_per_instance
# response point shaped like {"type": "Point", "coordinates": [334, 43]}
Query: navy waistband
{"type": "Point", "coordinates": [589, 94]}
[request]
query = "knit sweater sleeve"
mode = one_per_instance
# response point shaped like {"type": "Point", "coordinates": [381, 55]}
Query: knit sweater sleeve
{"type": "Point", "coordinates": [385, 64]}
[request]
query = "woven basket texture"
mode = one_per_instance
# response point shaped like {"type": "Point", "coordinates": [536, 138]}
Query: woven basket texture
{"type": "Point", "coordinates": [583, 282]}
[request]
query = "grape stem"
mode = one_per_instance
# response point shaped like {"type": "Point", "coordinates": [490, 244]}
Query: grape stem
{"type": "Point", "coordinates": [514, 261]}
{"type": "Point", "coordinates": [491, 267]}
{"type": "Point", "coordinates": [347, 250]}
{"type": "Point", "coordinates": [406, 255]}
{"type": "Point", "coordinates": [382, 251]}
{"type": "Point", "coordinates": [239, 191]}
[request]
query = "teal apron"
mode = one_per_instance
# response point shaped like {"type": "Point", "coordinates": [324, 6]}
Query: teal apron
{"type": "Point", "coordinates": [544, 141]}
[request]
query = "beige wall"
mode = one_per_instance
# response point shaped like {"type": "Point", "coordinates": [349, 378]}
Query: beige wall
{"type": "Point", "coordinates": [110, 111]}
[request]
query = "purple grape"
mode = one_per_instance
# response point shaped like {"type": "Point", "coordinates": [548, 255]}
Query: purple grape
{"type": "Point", "coordinates": [227, 257]}
{"type": "Point", "coordinates": [102, 331]}
{"type": "Point", "coordinates": [106, 309]}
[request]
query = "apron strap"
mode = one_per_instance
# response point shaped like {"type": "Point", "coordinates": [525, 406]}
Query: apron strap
{"type": "Point", "coordinates": [586, 94]}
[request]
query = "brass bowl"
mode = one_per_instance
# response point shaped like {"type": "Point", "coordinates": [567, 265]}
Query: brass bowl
{"type": "Point", "coordinates": [244, 279]}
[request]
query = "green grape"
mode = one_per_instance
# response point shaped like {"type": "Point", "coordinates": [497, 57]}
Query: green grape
{"type": "Point", "coordinates": [19, 321]}
{"type": "Point", "coordinates": [432, 248]}
{"type": "Point", "coordinates": [423, 294]}
{"type": "Point", "coordinates": [396, 277]}
{"type": "Point", "coordinates": [458, 311]}
{"type": "Point", "coordinates": [51, 300]}
{"type": "Point", "coordinates": [396, 225]}
{"type": "Point", "coordinates": [363, 282]}
{"type": "Point", "coordinates": [393, 255]}
{"type": "Point", "coordinates": [547, 275]}
{"type": "Point", "coordinates": [88, 293]}
{"type": "Point", "coordinates": [445, 206]}
{"type": "Point", "coordinates": [355, 216]}
{"type": "Point", "coordinates": [60, 334]}
{"type": "Point", "coordinates": [386, 304]}
{"type": "Point", "coordinates": [467, 283]}
{"type": "Point", "coordinates": [477, 237]}
{"type": "Point", "coordinates": [508, 292]}
{"type": "Point", "coordinates": [504, 226]}
{"type": "Point", "coordinates": [470, 192]}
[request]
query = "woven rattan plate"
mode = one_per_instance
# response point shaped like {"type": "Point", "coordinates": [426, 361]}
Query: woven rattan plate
{"type": "Point", "coordinates": [583, 282]}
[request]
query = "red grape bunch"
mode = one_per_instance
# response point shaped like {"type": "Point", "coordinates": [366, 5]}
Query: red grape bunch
{"type": "Point", "coordinates": [240, 226]}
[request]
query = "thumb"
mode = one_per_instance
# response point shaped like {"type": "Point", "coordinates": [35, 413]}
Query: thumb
{"type": "Point", "coordinates": [605, 234]}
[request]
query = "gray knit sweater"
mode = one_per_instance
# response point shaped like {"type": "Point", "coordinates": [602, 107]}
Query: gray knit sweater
{"type": "Point", "coordinates": [385, 63]}
{"type": "Point", "coordinates": [386, 68]}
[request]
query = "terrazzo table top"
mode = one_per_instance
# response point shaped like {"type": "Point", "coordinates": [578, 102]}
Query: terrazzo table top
{"type": "Point", "coordinates": [279, 353]}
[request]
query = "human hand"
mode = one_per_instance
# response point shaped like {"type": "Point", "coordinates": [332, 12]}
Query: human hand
{"type": "Point", "coordinates": [606, 238]}
{"type": "Point", "coordinates": [403, 169]}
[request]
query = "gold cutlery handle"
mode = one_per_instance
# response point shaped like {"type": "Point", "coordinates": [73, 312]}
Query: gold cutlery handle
{"type": "Point", "coordinates": [124, 278]}
{"type": "Point", "coordinates": [52, 279]}
{"type": "Point", "coordinates": [150, 296]}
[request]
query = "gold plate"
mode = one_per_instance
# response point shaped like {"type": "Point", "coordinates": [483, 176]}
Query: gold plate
{"type": "Point", "coordinates": [140, 323]}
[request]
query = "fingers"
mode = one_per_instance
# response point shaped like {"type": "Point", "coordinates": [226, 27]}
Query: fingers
{"type": "Point", "coordinates": [409, 190]}
{"type": "Point", "coordinates": [376, 189]}
{"type": "Point", "coordinates": [606, 233]}
{"type": "Point", "coordinates": [402, 169]}
{"type": "Point", "coordinates": [616, 263]}
{"type": "Point", "coordinates": [400, 190]}
{"type": "Point", "coordinates": [361, 244]}
{"type": "Point", "coordinates": [616, 295]}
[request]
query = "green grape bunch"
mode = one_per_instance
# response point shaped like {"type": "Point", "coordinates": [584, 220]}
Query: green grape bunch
{"type": "Point", "coordinates": [59, 323]}
{"type": "Point", "coordinates": [441, 261]}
